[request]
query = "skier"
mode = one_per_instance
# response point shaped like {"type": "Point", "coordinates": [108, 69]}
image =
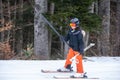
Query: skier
{"type": "Point", "coordinates": [75, 38]}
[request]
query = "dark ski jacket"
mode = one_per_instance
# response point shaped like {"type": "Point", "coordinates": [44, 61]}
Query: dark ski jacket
{"type": "Point", "coordinates": [75, 39]}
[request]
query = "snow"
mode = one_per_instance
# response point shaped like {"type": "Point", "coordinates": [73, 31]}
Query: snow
{"type": "Point", "coordinates": [105, 68]}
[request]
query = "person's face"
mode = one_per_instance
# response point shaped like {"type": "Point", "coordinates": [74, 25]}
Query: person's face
{"type": "Point", "coordinates": [73, 25]}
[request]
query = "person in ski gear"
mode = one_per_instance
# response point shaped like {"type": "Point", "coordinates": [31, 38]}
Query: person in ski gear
{"type": "Point", "coordinates": [75, 38]}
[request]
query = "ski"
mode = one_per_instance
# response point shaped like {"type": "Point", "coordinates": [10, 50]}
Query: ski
{"type": "Point", "coordinates": [68, 77]}
{"type": "Point", "coordinates": [52, 71]}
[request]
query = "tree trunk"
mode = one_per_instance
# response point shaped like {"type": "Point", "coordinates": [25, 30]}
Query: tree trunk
{"type": "Point", "coordinates": [91, 8]}
{"type": "Point", "coordinates": [115, 27]}
{"type": "Point", "coordinates": [40, 31]}
{"type": "Point", "coordinates": [86, 39]}
{"type": "Point", "coordinates": [96, 6]}
{"type": "Point", "coordinates": [19, 39]}
{"type": "Point", "coordinates": [118, 30]}
{"type": "Point", "coordinates": [114, 37]}
{"type": "Point", "coordinates": [13, 31]}
{"type": "Point", "coordinates": [104, 12]}
{"type": "Point", "coordinates": [52, 6]}
{"type": "Point", "coordinates": [9, 19]}
{"type": "Point", "coordinates": [2, 20]}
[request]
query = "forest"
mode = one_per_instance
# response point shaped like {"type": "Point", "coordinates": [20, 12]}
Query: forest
{"type": "Point", "coordinates": [25, 35]}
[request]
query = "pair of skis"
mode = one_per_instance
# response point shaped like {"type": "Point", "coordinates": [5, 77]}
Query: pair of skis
{"type": "Point", "coordinates": [66, 77]}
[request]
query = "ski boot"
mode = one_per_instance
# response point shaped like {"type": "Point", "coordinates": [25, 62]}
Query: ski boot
{"type": "Point", "coordinates": [67, 69]}
{"type": "Point", "coordinates": [79, 75]}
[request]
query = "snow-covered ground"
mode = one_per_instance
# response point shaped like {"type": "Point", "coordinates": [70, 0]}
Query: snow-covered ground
{"type": "Point", "coordinates": [106, 68]}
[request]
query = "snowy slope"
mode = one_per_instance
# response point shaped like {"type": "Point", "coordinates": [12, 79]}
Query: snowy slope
{"type": "Point", "coordinates": [106, 68]}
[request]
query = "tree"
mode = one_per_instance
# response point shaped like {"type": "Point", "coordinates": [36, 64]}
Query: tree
{"type": "Point", "coordinates": [104, 35]}
{"type": "Point", "coordinates": [118, 29]}
{"type": "Point", "coordinates": [40, 31]}
{"type": "Point", "coordinates": [19, 41]}
{"type": "Point", "coordinates": [115, 27]}
{"type": "Point", "coordinates": [1, 20]}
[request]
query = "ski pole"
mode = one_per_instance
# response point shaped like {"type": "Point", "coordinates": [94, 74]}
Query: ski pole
{"type": "Point", "coordinates": [90, 45]}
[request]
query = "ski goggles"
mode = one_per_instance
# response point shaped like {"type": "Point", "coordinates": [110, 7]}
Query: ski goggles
{"type": "Point", "coordinates": [72, 25]}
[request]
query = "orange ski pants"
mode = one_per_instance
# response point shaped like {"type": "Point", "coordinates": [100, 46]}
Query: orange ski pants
{"type": "Point", "coordinates": [79, 64]}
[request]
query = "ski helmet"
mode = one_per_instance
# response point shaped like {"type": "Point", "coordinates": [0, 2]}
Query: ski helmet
{"type": "Point", "coordinates": [75, 20]}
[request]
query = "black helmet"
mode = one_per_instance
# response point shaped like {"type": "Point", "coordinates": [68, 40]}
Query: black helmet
{"type": "Point", "coordinates": [75, 20]}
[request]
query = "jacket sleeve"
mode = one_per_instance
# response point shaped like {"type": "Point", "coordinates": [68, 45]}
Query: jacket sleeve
{"type": "Point", "coordinates": [81, 43]}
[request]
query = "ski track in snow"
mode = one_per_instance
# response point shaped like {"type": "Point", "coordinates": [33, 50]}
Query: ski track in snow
{"type": "Point", "coordinates": [105, 68]}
